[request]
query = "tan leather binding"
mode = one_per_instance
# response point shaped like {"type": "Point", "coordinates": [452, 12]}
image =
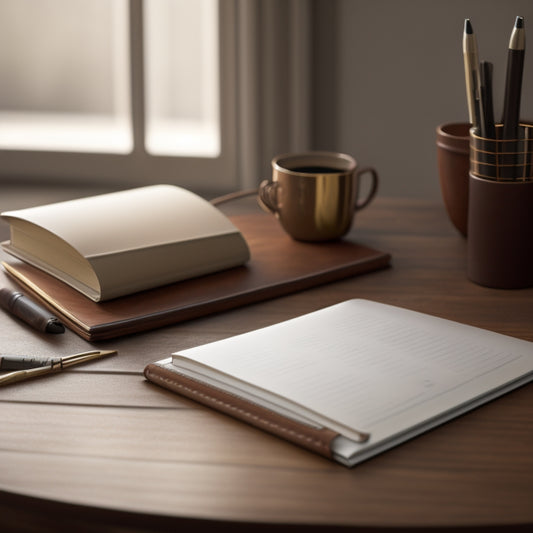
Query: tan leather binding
{"type": "Point", "coordinates": [317, 440]}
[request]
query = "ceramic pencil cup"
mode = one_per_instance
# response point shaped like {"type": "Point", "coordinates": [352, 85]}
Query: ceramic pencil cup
{"type": "Point", "coordinates": [500, 210]}
{"type": "Point", "coordinates": [453, 160]}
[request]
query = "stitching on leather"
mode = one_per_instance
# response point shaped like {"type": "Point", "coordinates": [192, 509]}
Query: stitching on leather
{"type": "Point", "coordinates": [239, 410]}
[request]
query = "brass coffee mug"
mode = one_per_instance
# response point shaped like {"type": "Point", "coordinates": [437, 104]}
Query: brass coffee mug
{"type": "Point", "coordinates": [314, 195]}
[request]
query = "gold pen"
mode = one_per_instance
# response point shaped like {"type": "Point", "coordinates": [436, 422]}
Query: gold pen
{"type": "Point", "coordinates": [472, 75]}
{"type": "Point", "coordinates": [55, 365]}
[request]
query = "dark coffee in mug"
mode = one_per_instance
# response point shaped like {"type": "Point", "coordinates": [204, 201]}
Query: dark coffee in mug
{"type": "Point", "coordinates": [317, 170]}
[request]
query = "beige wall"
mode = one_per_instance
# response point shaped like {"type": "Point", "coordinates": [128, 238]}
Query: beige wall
{"type": "Point", "coordinates": [389, 71]}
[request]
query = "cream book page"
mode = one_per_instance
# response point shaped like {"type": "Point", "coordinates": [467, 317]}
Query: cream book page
{"type": "Point", "coordinates": [364, 366]}
{"type": "Point", "coordinates": [116, 244]}
{"type": "Point", "coordinates": [129, 220]}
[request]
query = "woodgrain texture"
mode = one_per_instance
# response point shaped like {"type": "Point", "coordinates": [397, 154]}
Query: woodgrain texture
{"type": "Point", "coordinates": [98, 448]}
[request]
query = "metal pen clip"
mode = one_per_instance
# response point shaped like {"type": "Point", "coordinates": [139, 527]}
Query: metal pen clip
{"type": "Point", "coordinates": [54, 365]}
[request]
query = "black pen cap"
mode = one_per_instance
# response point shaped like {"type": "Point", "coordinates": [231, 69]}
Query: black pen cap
{"type": "Point", "coordinates": [30, 312]}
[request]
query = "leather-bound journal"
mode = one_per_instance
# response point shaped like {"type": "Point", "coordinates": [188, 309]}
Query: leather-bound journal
{"type": "Point", "coordinates": [278, 265]}
{"type": "Point", "coordinates": [351, 380]}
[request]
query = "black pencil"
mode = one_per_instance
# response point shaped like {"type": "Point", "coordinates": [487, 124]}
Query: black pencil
{"type": "Point", "coordinates": [486, 99]}
{"type": "Point", "coordinates": [513, 83]}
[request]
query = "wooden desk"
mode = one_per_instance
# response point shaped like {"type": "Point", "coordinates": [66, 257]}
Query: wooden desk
{"type": "Point", "coordinates": [99, 445]}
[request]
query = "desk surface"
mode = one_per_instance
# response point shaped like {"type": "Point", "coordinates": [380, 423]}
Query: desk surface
{"type": "Point", "coordinates": [100, 445]}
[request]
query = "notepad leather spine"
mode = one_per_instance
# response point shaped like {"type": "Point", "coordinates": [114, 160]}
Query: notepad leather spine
{"type": "Point", "coordinates": [314, 439]}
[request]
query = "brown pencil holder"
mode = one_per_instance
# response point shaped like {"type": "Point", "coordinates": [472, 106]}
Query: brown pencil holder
{"type": "Point", "coordinates": [503, 159]}
{"type": "Point", "coordinates": [500, 233]}
{"type": "Point", "coordinates": [500, 210]}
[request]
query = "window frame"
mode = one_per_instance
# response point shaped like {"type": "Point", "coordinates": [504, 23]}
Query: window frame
{"type": "Point", "coordinates": [266, 99]}
{"type": "Point", "coordinates": [138, 167]}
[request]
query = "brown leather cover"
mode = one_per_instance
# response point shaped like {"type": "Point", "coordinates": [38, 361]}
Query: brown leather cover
{"type": "Point", "coordinates": [279, 265]}
{"type": "Point", "coordinates": [317, 440]}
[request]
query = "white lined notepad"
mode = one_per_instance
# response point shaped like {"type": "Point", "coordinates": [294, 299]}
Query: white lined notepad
{"type": "Point", "coordinates": [361, 366]}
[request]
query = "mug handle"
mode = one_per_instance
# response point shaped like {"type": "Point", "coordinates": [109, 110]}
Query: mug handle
{"type": "Point", "coordinates": [373, 187]}
{"type": "Point", "coordinates": [267, 196]}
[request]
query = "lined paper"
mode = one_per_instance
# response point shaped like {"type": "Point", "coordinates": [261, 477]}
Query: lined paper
{"type": "Point", "coordinates": [365, 365]}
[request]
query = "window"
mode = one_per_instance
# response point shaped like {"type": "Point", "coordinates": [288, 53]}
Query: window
{"type": "Point", "coordinates": [182, 77]}
{"type": "Point", "coordinates": [122, 90]}
{"type": "Point", "coordinates": [64, 69]}
{"type": "Point", "coordinates": [199, 93]}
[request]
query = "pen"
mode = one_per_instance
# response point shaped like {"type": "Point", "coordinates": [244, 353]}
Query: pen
{"type": "Point", "coordinates": [486, 98]}
{"type": "Point", "coordinates": [471, 62]}
{"type": "Point", "coordinates": [513, 82]}
{"type": "Point", "coordinates": [23, 362]}
{"type": "Point", "coordinates": [55, 365]}
{"type": "Point", "coordinates": [30, 312]}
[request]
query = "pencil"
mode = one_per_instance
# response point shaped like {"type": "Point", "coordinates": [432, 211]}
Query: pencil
{"type": "Point", "coordinates": [513, 82]}
{"type": "Point", "coordinates": [471, 63]}
{"type": "Point", "coordinates": [487, 122]}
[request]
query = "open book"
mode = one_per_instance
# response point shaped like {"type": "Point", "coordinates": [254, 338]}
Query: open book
{"type": "Point", "coordinates": [351, 380]}
{"type": "Point", "coordinates": [120, 243]}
